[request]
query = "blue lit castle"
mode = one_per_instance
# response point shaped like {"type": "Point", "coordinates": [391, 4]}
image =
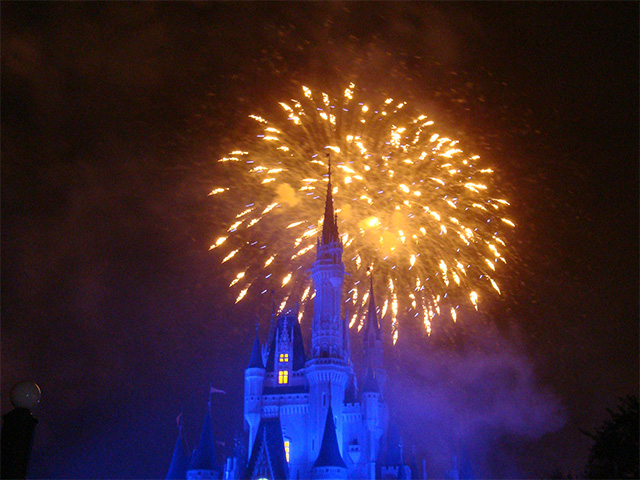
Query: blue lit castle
{"type": "Point", "coordinates": [306, 414]}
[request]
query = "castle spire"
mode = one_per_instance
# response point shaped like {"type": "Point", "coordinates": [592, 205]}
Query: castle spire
{"type": "Point", "coordinates": [204, 458]}
{"type": "Point", "coordinates": [256, 353]}
{"type": "Point", "coordinates": [180, 459]}
{"type": "Point", "coordinates": [372, 315]}
{"type": "Point", "coordinates": [329, 223]}
{"type": "Point", "coordinates": [372, 341]}
{"type": "Point", "coordinates": [327, 272]}
{"type": "Point", "coordinates": [329, 455]}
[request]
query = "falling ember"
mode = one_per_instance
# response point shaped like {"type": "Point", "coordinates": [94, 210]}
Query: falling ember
{"type": "Point", "coordinates": [410, 201]}
{"type": "Point", "coordinates": [242, 294]}
{"type": "Point", "coordinates": [473, 296]}
{"type": "Point", "coordinates": [283, 304]}
{"type": "Point", "coordinates": [219, 242]}
{"type": "Point", "coordinates": [237, 279]}
{"type": "Point", "coordinates": [230, 256]}
{"type": "Point", "coordinates": [495, 285]}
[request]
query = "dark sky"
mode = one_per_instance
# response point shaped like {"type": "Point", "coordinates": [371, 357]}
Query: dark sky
{"type": "Point", "coordinates": [112, 117]}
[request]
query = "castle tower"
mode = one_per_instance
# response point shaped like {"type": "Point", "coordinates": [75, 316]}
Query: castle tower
{"type": "Point", "coordinates": [371, 412]}
{"type": "Point", "coordinates": [329, 368]}
{"type": "Point", "coordinates": [253, 383]}
{"type": "Point", "coordinates": [204, 464]}
{"type": "Point", "coordinates": [268, 458]}
{"type": "Point", "coordinates": [306, 417]}
{"type": "Point", "coordinates": [327, 335]}
{"type": "Point", "coordinates": [372, 343]}
{"type": "Point", "coordinates": [394, 466]}
{"type": "Point", "coordinates": [285, 390]}
{"type": "Point", "coordinates": [329, 464]}
{"type": "Point", "coordinates": [181, 456]}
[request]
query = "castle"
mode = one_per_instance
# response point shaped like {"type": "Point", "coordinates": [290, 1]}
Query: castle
{"type": "Point", "coordinates": [306, 414]}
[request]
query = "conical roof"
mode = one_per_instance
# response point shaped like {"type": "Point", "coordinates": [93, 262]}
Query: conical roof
{"type": "Point", "coordinates": [299, 356]}
{"type": "Point", "coordinates": [372, 314]}
{"type": "Point", "coordinates": [204, 458]}
{"type": "Point", "coordinates": [256, 354]}
{"type": "Point", "coordinates": [268, 450]}
{"type": "Point", "coordinates": [329, 455]}
{"type": "Point", "coordinates": [180, 459]}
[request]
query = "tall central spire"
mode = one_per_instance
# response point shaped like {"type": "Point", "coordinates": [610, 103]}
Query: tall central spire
{"type": "Point", "coordinates": [329, 223]}
{"type": "Point", "coordinates": [328, 276]}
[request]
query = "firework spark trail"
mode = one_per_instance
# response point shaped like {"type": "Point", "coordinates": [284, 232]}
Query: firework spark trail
{"type": "Point", "coordinates": [410, 203]}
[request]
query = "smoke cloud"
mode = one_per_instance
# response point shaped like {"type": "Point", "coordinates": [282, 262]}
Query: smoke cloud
{"type": "Point", "coordinates": [286, 194]}
{"type": "Point", "coordinates": [474, 402]}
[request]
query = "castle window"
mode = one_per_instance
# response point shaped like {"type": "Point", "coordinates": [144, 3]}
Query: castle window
{"type": "Point", "coordinates": [286, 448]}
{"type": "Point", "coordinates": [284, 357]}
{"type": "Point", "coordinates": [283, 376]}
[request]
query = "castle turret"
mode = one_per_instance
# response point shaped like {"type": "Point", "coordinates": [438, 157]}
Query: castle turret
{"type": "Point", "coordinates": [181, 458]}
{"type": "Point", "coordinates": [204, 464]}
{"type": "Point", "coordinates": [372, 342]}
{"type": "Point", "coordinates": [268, 457]}
{"type": "Point", "coordinates": [329, 464]}
{"type": "Point", "coordinates": [253, 384]}
{"type": "Point", "coordinates": [256, 354]}
{"type": "Point", "coordinates": [373, 417]}
{"type": "Point", "coordinates": [394, 466]}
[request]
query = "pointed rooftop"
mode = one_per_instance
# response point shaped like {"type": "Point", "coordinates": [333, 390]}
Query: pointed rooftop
{"type": "Point", "coordinates": [204, 457]}
{"type": "Point", "coordinates": [329, 455]}
{"type": "Point", "coordinates": [180, 459]}
{"type": "Point", "coordinates": [299, 355]}
{"type": "Point", "coordinates": [256, 354]}
{"type": "Point", "coordinates": [268, 458]}
{"type": "Point", "coordinates": [372, 314]}
{"type": "Point", "coordinates": [329, 223]}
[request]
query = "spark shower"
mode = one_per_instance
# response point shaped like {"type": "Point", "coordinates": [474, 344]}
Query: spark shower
{"type": "Point", "coordinates": [413, 208]}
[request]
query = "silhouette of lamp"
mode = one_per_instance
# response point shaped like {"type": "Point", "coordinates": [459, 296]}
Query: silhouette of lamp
{"type": "Point", "coordinates": [18, 428]}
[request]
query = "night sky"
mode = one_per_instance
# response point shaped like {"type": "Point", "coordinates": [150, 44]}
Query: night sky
{"type": "Point", "coordinates": [112, 118]}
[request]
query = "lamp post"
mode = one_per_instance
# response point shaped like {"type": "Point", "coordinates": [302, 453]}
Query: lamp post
{"type": "Point", "coordinates": [18, 427]}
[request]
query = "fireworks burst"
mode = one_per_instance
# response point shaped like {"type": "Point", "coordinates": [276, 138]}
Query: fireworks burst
{"type": "Point", "coordinates": [411, 205]}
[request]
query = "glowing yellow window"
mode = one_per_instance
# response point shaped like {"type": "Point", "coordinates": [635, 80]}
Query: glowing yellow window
{"type": "Point", "coordinates": [284, 357]}
{"type": "Point", "coordinates": [286, 449]}
{"type": "Point", "coordinates": [283, 376]}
